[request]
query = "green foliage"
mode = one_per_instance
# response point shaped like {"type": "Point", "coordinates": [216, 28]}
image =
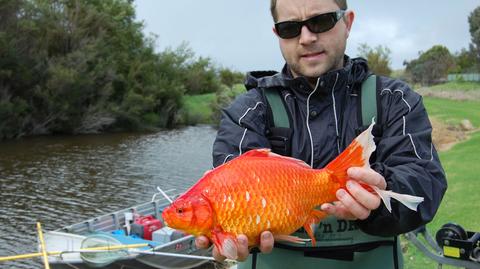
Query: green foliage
{"type": "Point", "coordinates": [378, 58]}
{"type": "Point", "coordinates": [201, 77]}
{"type": "Point", "coordinates": [197, 109]}
{"type": "Point", "coordinates": [465, 62]}
{"type": "Point", "coordinates": [84, 66]}
{"type": "Point", "coordinates": [223, 98]}
{"type": "Point", "coordinates": [431, 66]}
{"type": "Point", "coordinates": [474, 22]}
{"type": "Point", "coordinates": [230, 78]}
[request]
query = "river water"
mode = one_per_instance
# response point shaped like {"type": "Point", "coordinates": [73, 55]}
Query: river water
{"type": "Point", "coordinates": [64, 180]}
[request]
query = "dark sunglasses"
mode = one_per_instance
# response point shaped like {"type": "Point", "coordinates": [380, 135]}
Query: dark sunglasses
{"type": "Point", "coordinates": [316, 24]}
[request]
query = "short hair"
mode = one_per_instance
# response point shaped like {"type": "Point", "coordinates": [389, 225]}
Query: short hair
{"type": "Point", "coordinates": [273, 4]}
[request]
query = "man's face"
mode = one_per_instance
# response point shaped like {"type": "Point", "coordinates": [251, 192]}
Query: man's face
{"type": "Point", "coordinates": [311, 54]}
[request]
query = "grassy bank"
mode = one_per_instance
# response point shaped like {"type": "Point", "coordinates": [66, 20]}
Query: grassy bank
{"type": "Point", "coordinates": [204, 108]}
{"type": "Point", "coordinates": [460, 202]}
{"type": "Point", "coordinates": [457, 86]}
{"type": "Point", "coordinates": [197, 109]}
{"type": "Point", "coordinates": [461, 166]}
{"type": "Point", "coordinates": [452, 112]}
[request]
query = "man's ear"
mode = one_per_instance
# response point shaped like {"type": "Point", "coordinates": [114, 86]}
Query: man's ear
{"type": "Point", "coordinates": [274, 31]}
{"type": "Point", "coordinates": [349, 18]}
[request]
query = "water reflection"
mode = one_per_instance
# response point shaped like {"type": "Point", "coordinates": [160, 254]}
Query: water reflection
{"type": "Point", "coordinates": [63, 180]}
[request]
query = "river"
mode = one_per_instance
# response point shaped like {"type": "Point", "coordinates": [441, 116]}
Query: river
{"type": "Point", "coordinates": [61, 180]}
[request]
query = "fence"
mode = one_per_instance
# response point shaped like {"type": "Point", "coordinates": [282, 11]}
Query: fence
{"type": "Point", "coordinates": [464, 77]}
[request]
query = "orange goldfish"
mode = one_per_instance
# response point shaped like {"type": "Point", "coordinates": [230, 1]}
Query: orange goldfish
{"type": "Point", "coordinates": [261, 191]}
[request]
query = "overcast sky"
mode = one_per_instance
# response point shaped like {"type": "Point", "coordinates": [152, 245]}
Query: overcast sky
{"type": "Point", "coordinates": [238, 34]}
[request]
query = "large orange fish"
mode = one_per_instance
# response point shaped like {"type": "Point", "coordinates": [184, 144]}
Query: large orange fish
{"type": "Point", "coordinates": [261, 191]}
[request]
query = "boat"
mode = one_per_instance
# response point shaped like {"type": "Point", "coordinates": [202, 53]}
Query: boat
{"type": "Point", "coordinates": [71, 240]}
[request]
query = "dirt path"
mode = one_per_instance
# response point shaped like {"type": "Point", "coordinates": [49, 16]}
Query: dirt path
{"type": "Point", "coordinates": [445, 136]}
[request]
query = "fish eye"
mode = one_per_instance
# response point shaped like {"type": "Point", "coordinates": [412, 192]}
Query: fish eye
{"type": "Point", "coordinates": [179, 210]}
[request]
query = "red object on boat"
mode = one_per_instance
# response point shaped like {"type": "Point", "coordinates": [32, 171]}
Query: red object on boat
{"type": "Point", "coordinates": [145, 226]}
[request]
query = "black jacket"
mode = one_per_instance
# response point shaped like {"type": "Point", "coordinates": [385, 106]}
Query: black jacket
{"type": "Point", "coordinates": [405, 155]}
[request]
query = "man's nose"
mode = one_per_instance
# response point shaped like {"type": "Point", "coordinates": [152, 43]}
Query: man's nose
{"type": "Point", "coordinates": [306, 36]}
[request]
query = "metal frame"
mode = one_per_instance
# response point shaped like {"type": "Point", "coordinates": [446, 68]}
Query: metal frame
{"type": "Point", "coordinates": [434, 252]}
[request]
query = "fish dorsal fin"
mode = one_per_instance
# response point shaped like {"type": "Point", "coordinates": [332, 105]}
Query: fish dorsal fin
{"type": "Point", "coordinates": [267, 153]}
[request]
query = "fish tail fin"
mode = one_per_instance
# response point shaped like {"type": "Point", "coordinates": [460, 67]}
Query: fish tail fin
{"type": "Point", "coordinates": [356, 154]}
{"type": "Point", "coordinates": [409, 201]}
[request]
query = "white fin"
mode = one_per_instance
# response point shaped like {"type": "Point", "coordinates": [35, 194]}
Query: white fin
{"type": "Point", "coordinates": [291, 238]}
{"type": "Point", "coordinates": [409, 201]}
{"type": "Point", "coordinates": [229, 249]}
{"type": "Point", "coordinates": [366, 140]}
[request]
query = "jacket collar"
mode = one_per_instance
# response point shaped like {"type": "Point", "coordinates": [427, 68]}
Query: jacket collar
{"type": "Point", "coordinates": [354, 71]}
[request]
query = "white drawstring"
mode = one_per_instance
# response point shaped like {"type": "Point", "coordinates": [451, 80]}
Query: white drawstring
{"type": "Point", "coordinates": [308, 124]}
{"type": "Point", "coordinates": [335, 114]}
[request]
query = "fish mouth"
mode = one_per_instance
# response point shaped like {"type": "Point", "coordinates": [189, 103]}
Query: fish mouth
{"type": "Point", "coordinates": [165, 217]}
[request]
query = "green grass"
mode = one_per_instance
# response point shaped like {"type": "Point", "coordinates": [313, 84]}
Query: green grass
{"type": "Point", "coordinates": [460, 203]}
{"type": "Point", "coordinates": [457, 86]}
{"type": "Point", "coordinates": [461, 164]}
{"type": "Point", "coordinates": [197, 108]}
{"type": "Point", "coordinates": [452, 112]}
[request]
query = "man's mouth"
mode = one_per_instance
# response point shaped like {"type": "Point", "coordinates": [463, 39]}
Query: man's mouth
{"type": "Point", "coordinates": [312, 55]}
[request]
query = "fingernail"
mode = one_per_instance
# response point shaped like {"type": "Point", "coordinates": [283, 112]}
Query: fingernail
{"type": "Point", "coordinates": [242, 241]}
{"type": "Point", "coordinates": [353, 172]}
{"type": "Point", "coordinates": [341, 193]}
{"type": "Point", "coordinates": [266, 236]}
{"type": "Point", "coordinates": [350, 184]}
{"type": "Point", "coordinates": [325, 207]}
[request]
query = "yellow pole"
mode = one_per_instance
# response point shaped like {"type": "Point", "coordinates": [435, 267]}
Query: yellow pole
{"type": "Point", "coordinates": [54, 253]}
{"type": "Point", "coordinates": [42, 245]}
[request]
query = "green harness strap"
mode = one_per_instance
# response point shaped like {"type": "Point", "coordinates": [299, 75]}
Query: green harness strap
{"type": "Point", "coordinates": [369, 100]}
{"type": "Point", "coordinates": [368, 103]}
{"type": "Point", "coordinates": [279, 112]}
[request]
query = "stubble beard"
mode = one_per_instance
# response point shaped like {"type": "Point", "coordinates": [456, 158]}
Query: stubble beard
{"type": "Point", "coordinates": [312, 73]}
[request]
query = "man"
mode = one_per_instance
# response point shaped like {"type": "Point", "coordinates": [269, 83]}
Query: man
{"type": "Point", "coordinates": [320, 87]}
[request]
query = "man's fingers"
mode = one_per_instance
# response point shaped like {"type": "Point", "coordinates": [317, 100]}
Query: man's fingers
{"type": "Point", "coordinates": [356, 209]}
{"type": "Point", "coordinates": [367, 175]}
{"type": "Point", "coordinates": [202, 242]}
{"type": "Point", "coordinates": [242, 250]}
{"type": "Point", "coordinates": [368, 200]}
{"type": "Point", "coordinates": [338, 210]}
{"type": "Point", "coordinates": [266, 242]}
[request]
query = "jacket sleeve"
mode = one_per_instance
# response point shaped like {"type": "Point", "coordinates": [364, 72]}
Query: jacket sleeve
{"type": "Point", "coordinates": [242, 128]}
{"type": "Point", "coordinates": [407, 159]}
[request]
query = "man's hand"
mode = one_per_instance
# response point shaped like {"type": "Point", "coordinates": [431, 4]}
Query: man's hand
{"type": "Point", "coordinates": [357, 203]}
{"type": "Point", "coordinates": [266, 246]}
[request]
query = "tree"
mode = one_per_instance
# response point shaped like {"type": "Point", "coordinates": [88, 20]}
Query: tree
{"type": "Point", "coordinates": [378, 58]}
{"type": "Point", "coordinates": [474, 21]}
{"type": "Point", "coordinates": [230, 78]}
{"type": "Point", "coordinates": [431, 66]}
{"type": "Point", "coordinates": [465, 61]}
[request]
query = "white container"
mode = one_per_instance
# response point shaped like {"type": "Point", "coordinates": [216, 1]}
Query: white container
{"type": "Point", "coordinates": [163, 235]}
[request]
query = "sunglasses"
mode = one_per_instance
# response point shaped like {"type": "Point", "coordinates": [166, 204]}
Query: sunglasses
{"type": "Point", "coordinates": [316, 24]}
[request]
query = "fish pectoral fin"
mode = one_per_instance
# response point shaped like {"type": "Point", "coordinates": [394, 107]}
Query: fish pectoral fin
{"type": "Point", "coordinates": [315, 217]}
{"type": "Point", "coordinates": [226, 243]}
{"type": "Point", "coordinates": [290, 238]}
